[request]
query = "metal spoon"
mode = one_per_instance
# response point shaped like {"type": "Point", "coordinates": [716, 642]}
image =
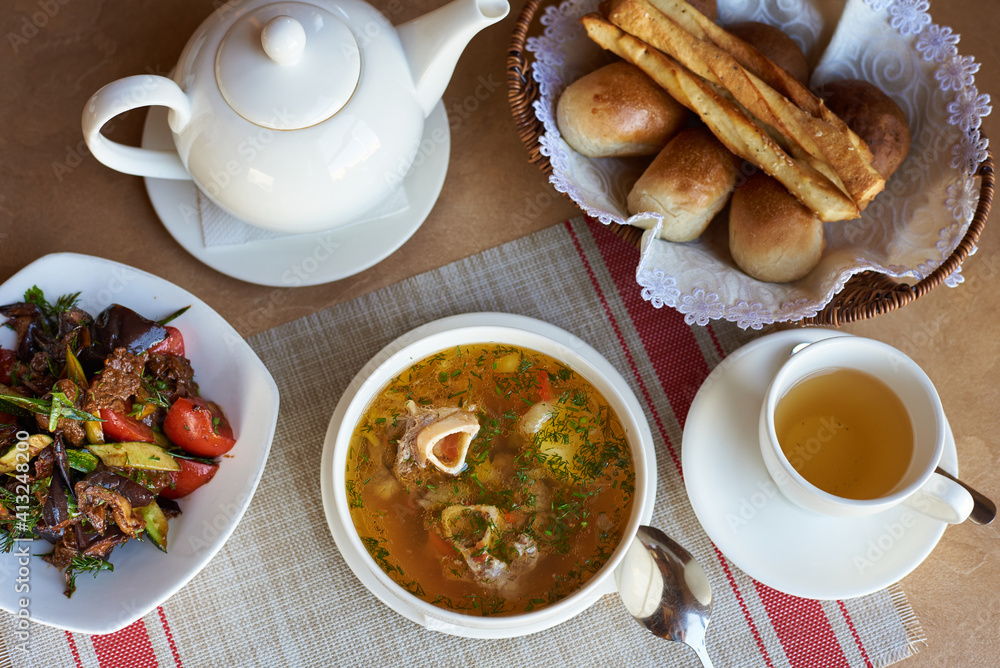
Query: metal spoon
{"type": "Point", "coordinates": [666, 590]}
{"type": "Point", "coordinates": [983, 509]}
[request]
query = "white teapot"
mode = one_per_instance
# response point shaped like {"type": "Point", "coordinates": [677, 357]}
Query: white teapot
{"type": "Point", "coordinates": [295, 116]}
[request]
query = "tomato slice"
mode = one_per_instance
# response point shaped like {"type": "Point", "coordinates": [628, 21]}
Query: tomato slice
{"type": "Point", "coordinates": [544, 386]}
{"type": "Point", "coordinates": [199, 427]}
{"type": "Point", "coordinates": [173, 344]}
{"type": "Point", "coordinates": [120, 428]}
{"type": "Point", "coordinates": [7, 359]}
{"type": "Point", "coordinates": [191, 476]}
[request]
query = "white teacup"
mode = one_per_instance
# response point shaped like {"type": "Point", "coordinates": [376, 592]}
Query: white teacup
{"type": "Point", "coordinates": [920, 487]}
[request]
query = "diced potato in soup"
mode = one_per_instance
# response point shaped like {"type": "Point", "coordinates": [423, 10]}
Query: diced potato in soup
{"type": "Point", "coordinates": [490, 480]}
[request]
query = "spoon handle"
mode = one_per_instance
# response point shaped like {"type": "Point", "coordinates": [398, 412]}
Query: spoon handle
{"type": "Point", "coordinates": [702, 653]}
{"type": "Point", "coordinates": [983, 510]}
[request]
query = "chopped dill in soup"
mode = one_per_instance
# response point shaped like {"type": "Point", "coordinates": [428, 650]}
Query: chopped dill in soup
{"type": "Point", "coordinates": [490, 480]}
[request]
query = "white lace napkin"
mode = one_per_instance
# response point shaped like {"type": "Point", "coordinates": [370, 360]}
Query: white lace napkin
{"type": "Point", "coordinates": [907, 231]}
{"type": "Point", "coordinates": [220, 228]}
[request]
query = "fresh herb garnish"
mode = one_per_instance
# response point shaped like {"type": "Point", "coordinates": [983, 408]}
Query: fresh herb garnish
{"type": "Point", "coordinates": [177, 453]}
{"type": "Point", "coordinates": [21, 512]}
{"type": "Point", "coordinates": [380, 555]}
{"type": "Point", "coordinates": [354, 499]}
{"type": "Point", "coordinates": [83, 564]}
{"type": "Point", "coordinates": [59, 407]}
{"type": "Point", "coordinates": [173, 316]}
{"type": "Point", "coordinates": [35, 295]}
{"type": "Point", "coordinates": [155, 392]}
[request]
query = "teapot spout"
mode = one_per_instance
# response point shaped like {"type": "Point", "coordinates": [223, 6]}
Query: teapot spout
{"type": "Point", "coordinates": [433, 42]}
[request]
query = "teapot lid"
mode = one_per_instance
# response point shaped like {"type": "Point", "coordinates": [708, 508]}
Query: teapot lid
{"type": "Point", "coordinates": [288, 65]}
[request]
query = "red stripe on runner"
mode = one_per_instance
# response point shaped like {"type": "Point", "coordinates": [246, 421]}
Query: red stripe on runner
{"type": "Point", "coordinates": [715, 340]}
{"type": "Point", "coordinates": [743, 605]}
{"type": "Point", "coordinates": [854, 634]}
{"type": "Point", "coordinates": [674, 352]}
{"type": "Point", "coordinates": [803, 628]}
{"type": "Point", "coordinates": [128, 648]}
{"type": "Point", "coordinates": [653, 325]}
{"type": "Point", "coordinates": [821, 649]}
{"type": "Point", "coordinates": [170, 637]}
{"type": "Point", "coordinates": [73, 650]}
{"type": "Point", "coordinates": [621, 342]}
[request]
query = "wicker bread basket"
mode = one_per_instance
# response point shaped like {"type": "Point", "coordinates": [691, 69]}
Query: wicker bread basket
{"type": "Point", "coordinates": [866, 295]}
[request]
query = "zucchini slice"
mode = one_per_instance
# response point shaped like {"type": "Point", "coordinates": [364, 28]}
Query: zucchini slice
{"type": "Point", "coordinates": [136, 455]}
{"type": "Point", "coordinates": [156, 524]}
{"type": "Point", "coordinates": [36, 443]}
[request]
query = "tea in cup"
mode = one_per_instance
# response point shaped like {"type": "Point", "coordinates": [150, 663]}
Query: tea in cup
{"type": "Point", "coordinates": [851, 426]}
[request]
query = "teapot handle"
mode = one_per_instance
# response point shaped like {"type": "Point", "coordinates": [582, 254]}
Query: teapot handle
{"type": "Point", "coordinates": [132, 93]}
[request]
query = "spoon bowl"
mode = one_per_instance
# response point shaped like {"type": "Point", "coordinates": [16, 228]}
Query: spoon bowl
{"type": "Point", "coordinates": [666, 590]}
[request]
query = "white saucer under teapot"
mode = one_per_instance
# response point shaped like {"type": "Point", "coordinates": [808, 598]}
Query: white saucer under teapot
{"type": "Point", "coordinates": [295, 116]}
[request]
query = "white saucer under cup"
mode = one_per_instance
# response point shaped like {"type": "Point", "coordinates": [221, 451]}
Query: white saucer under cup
{"type": "Point", "coordinates": [760, 531]}
{"type": "Point", "coordinates": [304, 259]}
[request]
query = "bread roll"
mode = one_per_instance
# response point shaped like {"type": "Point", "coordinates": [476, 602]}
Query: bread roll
{"type": "Point", "coordinates": [874, 117]}
{"type": "Point", "coordinates": [688, 183]}
{"type": "Point", "coordinates": [772, 237]}
{"type": "Point", "coordinates": [618, 111]}
{"type": "Point", "coordinates": [776, 45]}
{"type": "Point", "coordinates": [709, 8]}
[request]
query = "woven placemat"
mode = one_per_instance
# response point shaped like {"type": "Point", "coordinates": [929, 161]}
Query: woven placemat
{"type": "Point", "coordinates": [279, 593]}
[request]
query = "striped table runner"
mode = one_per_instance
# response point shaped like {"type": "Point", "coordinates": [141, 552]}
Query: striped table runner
{"type": "Point", "coordinates": [280, 594]}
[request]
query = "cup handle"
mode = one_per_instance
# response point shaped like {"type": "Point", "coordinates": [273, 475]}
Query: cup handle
{"type": "Point", "coordinates": [133, 92]}
{"type": "Point", "coordinates": [942, 499]}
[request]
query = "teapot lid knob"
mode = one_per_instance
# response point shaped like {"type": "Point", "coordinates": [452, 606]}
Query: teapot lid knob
{"type": "Point", "coordinates": [284, 40]}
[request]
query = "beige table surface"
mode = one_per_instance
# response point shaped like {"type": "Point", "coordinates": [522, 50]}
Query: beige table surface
{"type": "Point", "coordinates": [55, 197]}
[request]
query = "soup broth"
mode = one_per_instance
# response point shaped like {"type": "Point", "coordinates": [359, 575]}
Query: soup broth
{"type": "Point", "coordinates": [536, 508]}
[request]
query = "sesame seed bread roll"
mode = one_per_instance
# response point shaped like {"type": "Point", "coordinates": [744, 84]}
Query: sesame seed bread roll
{"type": "Point", "coordinates": [874, 117]}
{"type": "Point", "coordinates": [687, 183]}
{"type": "Point", "coordinates": [709, 8]}
{"type": "Point", "coordinates": [772, 237]}
{"type": "Point", "coordinates": [618, 111]}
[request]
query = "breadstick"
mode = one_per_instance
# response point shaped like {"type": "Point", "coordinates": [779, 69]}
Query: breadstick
{"type": "Point", "coordinates": [823, 145]}
{"type": "Point", "coordinates": [702, 27]}
{"type": "Point", "coordinates": [727, 121]}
